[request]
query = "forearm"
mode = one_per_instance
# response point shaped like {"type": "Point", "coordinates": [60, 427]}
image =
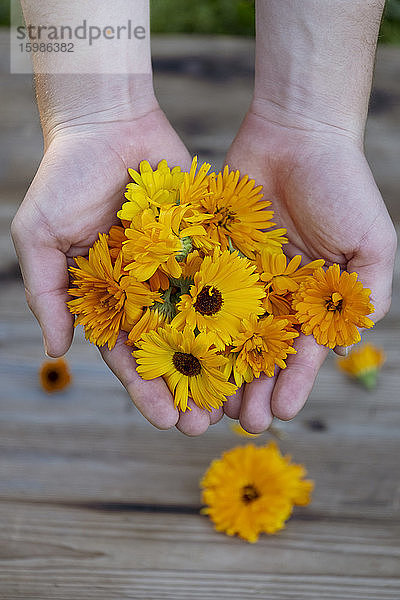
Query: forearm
{"type": "Point", "coordinates": [104, 79]}
{"type": "Point", "coordinates": [315, 61]}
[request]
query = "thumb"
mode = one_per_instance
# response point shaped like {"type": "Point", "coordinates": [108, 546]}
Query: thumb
{"type": "Point", "coordinates": [45, 273]}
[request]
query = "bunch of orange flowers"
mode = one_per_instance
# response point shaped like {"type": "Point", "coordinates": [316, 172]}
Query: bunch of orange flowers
{"type": "Point", "coordinates": [196, 276]}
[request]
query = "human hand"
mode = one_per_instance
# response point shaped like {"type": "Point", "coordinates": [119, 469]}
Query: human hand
{"type": "Point", "coordinates": [323, 192]}
{"type": "Point", "coordinates": [75, 195]}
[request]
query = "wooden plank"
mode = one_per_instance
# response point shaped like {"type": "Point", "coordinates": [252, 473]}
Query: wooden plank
{"type": "Point", "coordinates": [78, 550]}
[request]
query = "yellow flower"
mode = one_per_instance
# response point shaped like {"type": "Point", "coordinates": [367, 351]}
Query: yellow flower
{"type": "Point", "coordinates": [54, 375]}
{"type": "Point", "coordinates": [279, 275]}
{"type": "Point", "coordinates": [190, 367]}
{"type": "Point", "coordinates": [106, 300]}
{"type": "Point", "coordinates": [236, 212]}
{"type": "Point", "coordinates": [252, 490]}
{"type": "Point", "coordinates": [158, 242]}
{"type": "Point", "coordinates": [194, 186]}
{"type": "Point", "coordinates": [151, 320]}
{"type": "Point", "coordinates": [262, 344]}
{"type": "Point", "coordinates": [150, 188]}
{"type": "Point", "coordinates": [116, 236]}
{"type": "Point", "coordinates": [238, 429]}
{"type": "Point", "coordinates": [331, 305]}
{"type": "Point", "coordinates": [278, 305]}
{"type": "Point", "coordinates": [225, 291]}
{"type": "Point", "coordinates": [363, 364]}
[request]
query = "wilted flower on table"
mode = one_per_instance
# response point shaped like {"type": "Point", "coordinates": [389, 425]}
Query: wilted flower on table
{"type": "Point", "coordinates": [252, 490]}
{"type": "Point", "coordinates": [363, 364]}
{"type": "Point", "coordinates": [330, 305]}
{"type": "Point", "coordinates": [54, 375]}
{"type": "Point", "coordinates": [189, 365]}
{"type": "Point", "coordinates": [225, 291]}
{"type": "Point", "coordinates": [106, 299]}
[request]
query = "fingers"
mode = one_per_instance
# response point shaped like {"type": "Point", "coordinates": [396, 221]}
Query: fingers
{"type": "Point", "coordinates": [45, 274]}
{"type": "Point", "coordinates": [193, 422]}
{"type": "Point", "coordinates": [152, 398]}
{"type": "Point", "coordinates": [255, 412]}
{"type": "Point", "coordinates": [342, 350]}
{"type": "Point", "coordinates": [294, 384]}
{"type": "Point", "coordinates": [233, 403]}
{"type": "Point", "coordinates": [216, 415]}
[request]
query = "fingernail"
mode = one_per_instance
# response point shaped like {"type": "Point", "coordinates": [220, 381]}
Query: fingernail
{"type": "Point", "coordinates": [45, 347]}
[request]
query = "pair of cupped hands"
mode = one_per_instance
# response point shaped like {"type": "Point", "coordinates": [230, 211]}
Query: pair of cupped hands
{"type": "Point", "coordinates": [322, 192]}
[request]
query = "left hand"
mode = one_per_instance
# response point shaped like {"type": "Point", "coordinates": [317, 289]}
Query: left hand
{"type": "Point", "coordinates": [324, 194]}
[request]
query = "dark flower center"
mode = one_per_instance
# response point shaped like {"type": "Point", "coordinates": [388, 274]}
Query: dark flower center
{"type": "Point", "coordinates": [208, 301]}
{"type": "Point", "coordinates": [224, 216]}
{"type": "Point", "coordinates": [249, 494]}
{"type": "Point", "coordinates": [187, 364]}
{"type": "Point", "coordinates": [333, 304]}
{"type": "Point", "coordinates": [53, 376]}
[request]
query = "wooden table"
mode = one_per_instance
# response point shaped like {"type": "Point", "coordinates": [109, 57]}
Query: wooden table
{"type": "Point", "coordinates": [96, 504]}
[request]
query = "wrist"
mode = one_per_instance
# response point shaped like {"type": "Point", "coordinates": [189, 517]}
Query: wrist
{"type": "Point", "coordinates": [66, 101]}
{"type": "Point", "coordinates": [314, 61]}
{"type": "Point", "coordinates": [308, 119]}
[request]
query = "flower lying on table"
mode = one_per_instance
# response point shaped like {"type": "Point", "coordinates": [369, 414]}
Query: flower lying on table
{"type": "Point", "coordinates": [54, 375]}
{"type": "Point", "coordinates": [196, 275]}
{"type": "Point", "coordinates": [252, 490]}
{"type": "Point", "coordinates": [363, 364]}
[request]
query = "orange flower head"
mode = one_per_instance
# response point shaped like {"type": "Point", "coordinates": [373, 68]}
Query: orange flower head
{"type": "Point", "coordinates": [262, 344]}
{"type": "Point", "coordinates": [106, 299]}
{"type": "Point", "coordinates": [252, 490]}
{"type": "Point", "coordinates": [54, 375]}
{"type": "Point", "coordinates": [331, 305]}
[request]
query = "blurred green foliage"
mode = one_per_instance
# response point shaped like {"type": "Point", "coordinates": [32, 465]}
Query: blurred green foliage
{"type": "Point", "coordinates": [233, 17]}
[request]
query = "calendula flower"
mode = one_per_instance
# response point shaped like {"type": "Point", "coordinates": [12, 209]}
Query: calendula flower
{"type": "Point", "coordinates": [151, 189]}
{"type": "Point", "coordinates": [238, 429]}
{"type": "Point", "coordinates": [54, 375]}
{"type": "Point", "coordinates": [106, 299]}
{"type": "Point", "coordinates": [363, 364]}
{"type": "Point", "coordinates": [116, 236]}
{"type": "Point", "coordinates": [189, 365]}
{"type": "Point", "coordinates": [158, 243]}
{"type": "Point", "coordinates": [235, 211]}
{"type": "Point", "coordinates": [331, 305]}
{"type": "Point", "coordinates": [279, 305]}
{"type": "Point", "coordinates": [224, 292]}
{"type": "Point", "coordinates": [262, 344]}
{"type": "Point", "coordinates": [281, 277]}
{"type": "Point", "coordinates": [194, 186]}
{"type": "Point", "coordinates": [152, 318]}
{"type": "Point", "coordinates": [252, 490]}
